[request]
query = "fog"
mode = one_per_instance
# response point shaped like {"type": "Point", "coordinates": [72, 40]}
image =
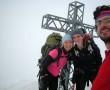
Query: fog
{"type": "Point", "coordinates": [21, 36]}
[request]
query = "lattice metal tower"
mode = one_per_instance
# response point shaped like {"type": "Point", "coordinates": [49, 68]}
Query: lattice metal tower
{"type": "Point", "coordinates": [73, 21]}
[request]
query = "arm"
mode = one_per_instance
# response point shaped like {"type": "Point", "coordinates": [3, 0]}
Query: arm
{"type": "Point", "coordinates": [48, 60]}
{"type": "Point", "coordinates": [97, 54]}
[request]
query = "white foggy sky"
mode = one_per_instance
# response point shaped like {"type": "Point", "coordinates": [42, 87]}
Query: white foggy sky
{"type": "Point", "coordinates": [21, 36]}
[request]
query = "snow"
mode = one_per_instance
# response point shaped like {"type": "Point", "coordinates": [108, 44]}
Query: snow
{"type": "Point", "coordinates": [23, 85]}
{"type": "Point", "coordinates": [28, 85]}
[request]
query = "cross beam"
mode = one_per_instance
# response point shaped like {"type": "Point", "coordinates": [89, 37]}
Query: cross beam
{"type": "Point", "coordinates": [60, 24]}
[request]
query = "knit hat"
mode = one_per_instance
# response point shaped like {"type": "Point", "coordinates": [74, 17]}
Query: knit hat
{"type": "Point", "coordinates": [78, 31]}
{"type": "Point", "coordinates": [66, 38]}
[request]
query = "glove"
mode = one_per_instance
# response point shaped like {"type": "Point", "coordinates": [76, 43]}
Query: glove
{"type": "Point", "coordinates": [86, 38]}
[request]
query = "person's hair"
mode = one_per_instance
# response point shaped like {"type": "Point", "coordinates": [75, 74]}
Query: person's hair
{"type": "Point", "coordinates": [99, 9]}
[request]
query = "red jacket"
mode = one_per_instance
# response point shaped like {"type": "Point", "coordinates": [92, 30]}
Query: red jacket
{"type": "Point", "coordinates": [102, 81]}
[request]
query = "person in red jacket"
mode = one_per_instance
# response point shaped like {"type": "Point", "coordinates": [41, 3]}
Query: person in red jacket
{"type": "Point", "coordinates": [102, 22]}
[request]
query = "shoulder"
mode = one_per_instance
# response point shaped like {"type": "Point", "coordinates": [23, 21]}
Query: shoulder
{"type": "Point", "coordinates": [53, 53]}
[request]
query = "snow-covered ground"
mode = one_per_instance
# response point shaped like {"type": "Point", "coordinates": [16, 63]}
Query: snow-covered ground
{"type": "Point", "coordinates": [23, 85]}
{"type": "Point", "coordinates": [27, 85]}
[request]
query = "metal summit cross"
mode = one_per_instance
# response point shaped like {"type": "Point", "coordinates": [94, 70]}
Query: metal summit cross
{"type": "Point", "coordinates": [74, 20]}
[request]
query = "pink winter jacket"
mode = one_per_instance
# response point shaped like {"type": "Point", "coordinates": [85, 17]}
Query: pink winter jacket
{"type": "Point", "coordinates": [55, 67]}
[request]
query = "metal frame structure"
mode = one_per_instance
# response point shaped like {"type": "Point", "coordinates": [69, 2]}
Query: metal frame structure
{"type": "Point", "coordinates": [73, 21]}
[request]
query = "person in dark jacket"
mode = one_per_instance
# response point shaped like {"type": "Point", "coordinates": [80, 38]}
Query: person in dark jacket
{"type": "Point", "coordinates": [54, 62]}
{"type": "Point", "coordinates": [102, 22]}
{"type": "Point", "coordinates": [86, 59]}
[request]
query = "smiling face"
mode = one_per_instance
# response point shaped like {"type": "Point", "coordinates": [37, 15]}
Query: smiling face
{"type": "Point", "coordinates": [78, 40]}
{"type": "Point", "coordinates": [103, 28]}
{"type": "Point", "coordinates": [68, 45]}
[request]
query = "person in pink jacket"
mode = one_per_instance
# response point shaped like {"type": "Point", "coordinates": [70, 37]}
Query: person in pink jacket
{"type": "Point", "coordinates": [54, 62]}
{"type": "Point", "coordinates": [102, 22]}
